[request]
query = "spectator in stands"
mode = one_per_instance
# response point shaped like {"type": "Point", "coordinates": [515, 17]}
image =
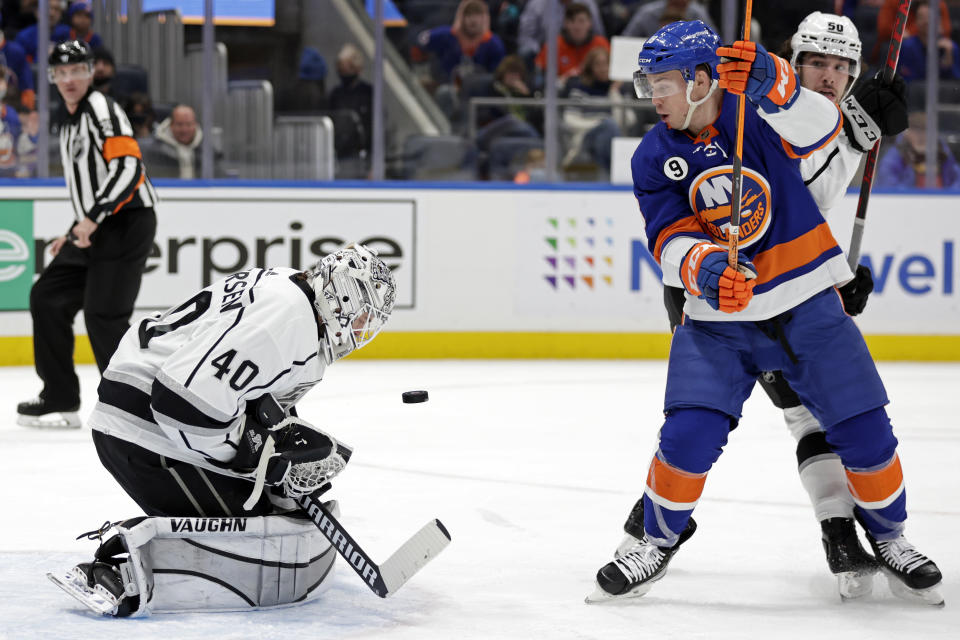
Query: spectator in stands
{"type": "Point", "coordinates": [887, 18]}
{"type": "Point", "coordinates": [176, 152]}
{"type": "Point", "coordinates": [534, 168]}
{"type": "Point", "coordinates": [308, 94]}
{"type": "Point", "coordinates": [104, 71]}
{"type": "Point", "coordinates": [913, 51]}
{"type": "Point", "coordinates": [651, 16]}
{"type": "Point", "coordinates": [905, 164]}
{"type": "Point", "coordinates": [353, 93]}
{"type": "Point", "coordinates": [533, 24]}
{"type": "Point", "coordinates": [589, 131]}
{"type": "Point", "coordinates": [513, 121]}
{"type": "Point", "coordinates": [139, 110]}
{"type": "Point", "coordinates": [15, 60]}
{"type": "Point", "coordinates": [511, 81]}
{"type": "Point", "coordinates": [18, 15]}
{"type": "Point", "coordinates": [466, 45]}
{"type": "Point", "coordinates": [27, 37]}
{"type": "Point", "coordinates": [575, 41]}
{"type": "Point", "coordinates": [9, 131]}
{"type": "Point", "coordinates": [79, 25]}
{"type": "Point", "coordinates": [27, 143]}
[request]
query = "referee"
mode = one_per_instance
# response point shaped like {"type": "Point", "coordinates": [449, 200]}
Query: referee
{"type": "Point", "coordinates": [98, 265]}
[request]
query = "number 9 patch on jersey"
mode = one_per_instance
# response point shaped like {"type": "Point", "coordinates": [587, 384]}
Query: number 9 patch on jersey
{"type": "Point", "coordinates": [675, 168]}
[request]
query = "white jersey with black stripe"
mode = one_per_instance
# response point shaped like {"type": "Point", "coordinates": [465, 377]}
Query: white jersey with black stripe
{"type": "Point", "coordinates": [180, 380]}
{"type": "Point", "coordinates": [101, 160]}
{"type": "Point", "coordinates": [827, 172]}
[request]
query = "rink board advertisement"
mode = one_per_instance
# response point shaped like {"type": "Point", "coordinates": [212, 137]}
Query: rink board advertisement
{"type": "Point", "coordinates": [492, 272]}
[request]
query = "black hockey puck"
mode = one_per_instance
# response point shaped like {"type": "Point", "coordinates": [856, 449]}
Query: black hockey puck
{"type": "Point", "coordinates": [413, 397]}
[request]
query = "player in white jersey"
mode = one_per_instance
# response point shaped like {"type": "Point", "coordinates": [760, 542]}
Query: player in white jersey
{"type": "Point", "coordinates": [826, 54]}
{"type": "Point", "coordinates": [187, 423]}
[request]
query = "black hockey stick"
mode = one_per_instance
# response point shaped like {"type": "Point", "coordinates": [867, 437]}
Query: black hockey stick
{"type": "Point", "coordinates": [893, 55]}
{"type": "Point", "coordinates": [383, 579]}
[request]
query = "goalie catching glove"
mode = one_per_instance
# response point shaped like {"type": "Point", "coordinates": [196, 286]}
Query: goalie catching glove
{"type": "Point", "coordinates": [293, 455]}
{"type": "Point", "coordinates": [767, 80]}
{"type": "Point", "coordinates": [706, 275]}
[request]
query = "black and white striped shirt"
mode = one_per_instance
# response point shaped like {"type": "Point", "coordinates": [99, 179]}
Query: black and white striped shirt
{"type": "Point", "coordinates": [101, 160]}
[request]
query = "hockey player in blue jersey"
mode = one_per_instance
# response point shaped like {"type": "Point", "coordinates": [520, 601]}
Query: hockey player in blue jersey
{"type": "Point", "coordinates": [825, 52]}
{"type": "Point", "coordinates": [778, 311]}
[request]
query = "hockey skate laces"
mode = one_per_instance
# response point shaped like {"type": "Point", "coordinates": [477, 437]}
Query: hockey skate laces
{"type": "Point", "coordinates": [901, 555]}
{"type": "Point", "coordinates": [97, 534]}
{"type": "Point", "coordinates": [641, 563]}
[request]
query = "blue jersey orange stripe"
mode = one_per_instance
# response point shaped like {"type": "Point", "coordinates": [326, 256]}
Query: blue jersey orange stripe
{"type": "Point", "coordinates": [683, 185]}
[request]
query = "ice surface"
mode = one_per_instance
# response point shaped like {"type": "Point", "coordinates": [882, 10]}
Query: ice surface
{"type": "Point", "coordinates": [533, 467]}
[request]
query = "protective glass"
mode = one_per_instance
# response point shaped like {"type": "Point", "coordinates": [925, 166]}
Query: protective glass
{"type": "Point", "coordinates": [63, 73]}
{"type": "Point", "coordinates": [658, 85]}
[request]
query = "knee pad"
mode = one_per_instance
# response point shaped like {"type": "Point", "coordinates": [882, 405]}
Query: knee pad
{"type": "Point", "coordinates": [218, 564]}
{"type": "Point", "coordinates": [863, 441]}
{"type": "Point", "coordinates": [692, 439]}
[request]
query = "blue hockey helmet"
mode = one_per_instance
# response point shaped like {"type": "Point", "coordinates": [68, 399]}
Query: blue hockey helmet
{"type": "Point", "coordinates": [678, 46]}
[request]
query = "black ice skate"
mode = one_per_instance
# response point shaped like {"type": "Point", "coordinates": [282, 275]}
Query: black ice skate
{"type": "Point", "coordinates": [43, 415]}
{"type": "Point", "coordinates": [910, 574]}
{"type": "Point", "coordinates": [631, 575]}
{"type": "Point", "coordinates": [633, 527]}
{"type": "Point", "coordinates": [847, 558]}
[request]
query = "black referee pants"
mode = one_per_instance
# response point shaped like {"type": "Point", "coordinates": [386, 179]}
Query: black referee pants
{"type": "Point", "coordinates": [166, 487]}
{"type": "Point", "coordinates": [103, 280]}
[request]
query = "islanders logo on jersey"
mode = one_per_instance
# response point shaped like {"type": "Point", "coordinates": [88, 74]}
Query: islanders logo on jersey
{"type": "Point", "coordinates": [710, 200]}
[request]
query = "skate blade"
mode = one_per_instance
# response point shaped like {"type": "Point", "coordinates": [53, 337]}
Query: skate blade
{"type": "Point", "coordinates": [55, 420]}
{"type": "Point", "coordinates": [930, 595]}
{"type": "Point", "coordinates": [599, 596]}
{"type": "Point", "coordinates": [99, 602]}
{"type": "Point", "coordinates": [854, 584]}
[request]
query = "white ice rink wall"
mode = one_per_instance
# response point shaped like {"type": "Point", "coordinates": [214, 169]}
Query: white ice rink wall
{"type": "Point", "coordinates": [485, 272]}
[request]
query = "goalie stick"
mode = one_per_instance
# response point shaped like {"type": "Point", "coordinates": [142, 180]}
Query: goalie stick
{"type": "Point", "coordinates": [383, 579]}
{"type": "Point", "coordinates": [890, 67]}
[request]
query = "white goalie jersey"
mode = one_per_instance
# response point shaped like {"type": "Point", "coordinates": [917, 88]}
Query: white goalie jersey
{"type": "Point", "coordinates": [180, 380]}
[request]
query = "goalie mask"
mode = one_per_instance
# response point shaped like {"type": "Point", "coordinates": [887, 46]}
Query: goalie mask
{"type": "Point", "coordinates": [828, 35]}
{"type": "Point", "coordinates": [355, 292]}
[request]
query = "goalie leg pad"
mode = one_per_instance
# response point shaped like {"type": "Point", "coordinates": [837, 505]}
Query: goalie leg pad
{"type": "Point", "coordinates": [221, 564]}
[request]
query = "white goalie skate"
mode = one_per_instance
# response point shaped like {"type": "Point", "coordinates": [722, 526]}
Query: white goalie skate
{"type": "Point", "coordinates": [76, 583]}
